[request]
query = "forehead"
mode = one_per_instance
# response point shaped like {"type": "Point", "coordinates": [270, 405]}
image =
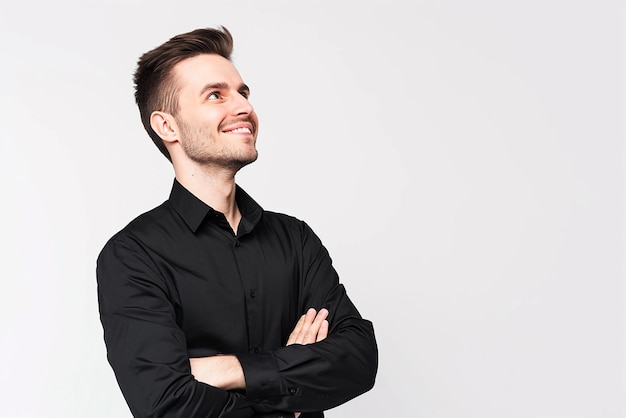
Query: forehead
{"type": "Point", "coordinates": [196, 72]}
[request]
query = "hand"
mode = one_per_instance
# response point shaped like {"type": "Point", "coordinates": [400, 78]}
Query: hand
{"type": "Point", "coordinates": [311, 328]}
{"type": "Point", "coordinates": [220, 371]}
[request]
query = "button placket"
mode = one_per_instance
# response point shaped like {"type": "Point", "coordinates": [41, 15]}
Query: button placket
{"type": "Point", "coordinates": [249, 281]}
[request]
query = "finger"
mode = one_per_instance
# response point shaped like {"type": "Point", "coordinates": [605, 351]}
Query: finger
{"type": "Point", "coordinates": [309, 319]}
{"type": "Point", "coordinates": [296, 331]}
{"type": "Point", "coordinates": [304, 323]}
{"type": "Point", "coordinates": [310, 334]}
{"type": "Point", "coordinates": [323, 332]}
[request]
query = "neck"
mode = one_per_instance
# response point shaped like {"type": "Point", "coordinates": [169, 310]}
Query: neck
{"type": "Point", "coordinates": [215, 187]}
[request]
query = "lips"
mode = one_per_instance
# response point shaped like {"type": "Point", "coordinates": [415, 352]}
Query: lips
{"type": "Point", "coordinates": [244, 128]}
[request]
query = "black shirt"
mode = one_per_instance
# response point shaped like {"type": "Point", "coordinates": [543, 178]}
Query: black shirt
{"type": "Point", "coordinates": [177, 283]}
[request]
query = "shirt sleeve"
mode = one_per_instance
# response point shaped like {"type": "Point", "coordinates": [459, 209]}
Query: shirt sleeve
{"type": "Point", "coordinates": [325, 374]}
{"type": "Point", "coordinates": [145, 346]}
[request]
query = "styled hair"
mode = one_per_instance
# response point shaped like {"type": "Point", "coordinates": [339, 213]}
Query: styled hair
{"type": "Point", "coordinates": [156, 87]}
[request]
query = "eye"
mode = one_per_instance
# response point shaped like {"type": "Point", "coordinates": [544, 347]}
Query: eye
{"type": "Point", "coordinates": [213, 96]}
{"type": "Point", "coordinates": [245, 93]}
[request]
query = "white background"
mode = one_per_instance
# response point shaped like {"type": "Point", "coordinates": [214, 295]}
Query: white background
{"type": "Point", "coordinates": [463, 161]}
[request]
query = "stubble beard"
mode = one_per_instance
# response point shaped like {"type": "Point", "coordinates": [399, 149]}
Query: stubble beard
{"type": "Point", "coordinates": [197, 145]}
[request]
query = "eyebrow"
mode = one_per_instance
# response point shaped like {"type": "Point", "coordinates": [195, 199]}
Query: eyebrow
{"type": "Point", "coordinates": [223, 86]}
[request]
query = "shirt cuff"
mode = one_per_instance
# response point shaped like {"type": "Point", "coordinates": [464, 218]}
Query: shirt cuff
{"type": "Point", "coordinates": [261, 374]}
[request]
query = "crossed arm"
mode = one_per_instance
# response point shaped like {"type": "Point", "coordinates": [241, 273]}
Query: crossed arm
{"type": "Point", "coordinates": [225, 371]}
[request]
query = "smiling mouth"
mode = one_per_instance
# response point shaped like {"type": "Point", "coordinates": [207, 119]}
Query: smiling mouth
{"type": "Point", "coordinates": [239, 131]}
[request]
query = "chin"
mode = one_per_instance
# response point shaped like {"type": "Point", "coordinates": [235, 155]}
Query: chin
{"type": "Point", "coordinates": [239, 163]}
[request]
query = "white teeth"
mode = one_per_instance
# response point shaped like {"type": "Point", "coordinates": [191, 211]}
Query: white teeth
{"type": "Point", "coordinates": [240, 131]}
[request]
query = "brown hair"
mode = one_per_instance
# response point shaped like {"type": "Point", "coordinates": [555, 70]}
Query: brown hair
{"type": "Point", "coordinates": [156, 88]}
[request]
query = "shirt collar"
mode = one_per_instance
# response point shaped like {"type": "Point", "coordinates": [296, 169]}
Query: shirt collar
{"type": "Point", "coordinates": [194, 211]}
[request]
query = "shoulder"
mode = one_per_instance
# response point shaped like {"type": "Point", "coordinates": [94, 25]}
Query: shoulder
{"type": "Point", "coordinates": [282, 220]}
{"type": "Point", "coordinates": [142, 228]}
{"type": "Point", "coordinates": [292, 226]}
{"type": "Point", "coordinates": [281, 217]}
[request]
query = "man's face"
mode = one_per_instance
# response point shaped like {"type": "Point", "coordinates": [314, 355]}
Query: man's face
{"type": "Point", "coordinates": [218, 125]}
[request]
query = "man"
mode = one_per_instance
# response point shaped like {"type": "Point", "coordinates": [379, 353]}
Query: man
{"type": "Point", "coordinates": [211, 306]}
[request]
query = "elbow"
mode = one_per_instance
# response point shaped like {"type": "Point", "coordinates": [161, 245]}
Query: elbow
{"type": "Point", "coordinates": [371, 370]}
{"type": "Point", "coordinates": [364, 362]}
{"type": "Point", "coordinates": [370, 364]}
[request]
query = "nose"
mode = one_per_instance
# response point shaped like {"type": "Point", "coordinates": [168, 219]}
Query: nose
{"type": "Point", "coordinates": [242, 105]}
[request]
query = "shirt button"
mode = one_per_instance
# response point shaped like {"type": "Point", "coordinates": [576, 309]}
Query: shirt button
{"type": "Point", "coordinates": [237, 243]}
{"type": "Point", "coordinates": [256, 350]}
{"type": "Point", "coordinates": [293, 391]}
{"type": "Point", "coordinates": [252, 294]}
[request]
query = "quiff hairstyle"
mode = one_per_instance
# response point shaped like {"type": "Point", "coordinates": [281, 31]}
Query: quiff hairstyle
{"type": "Point", "coordinates": [156, 87]}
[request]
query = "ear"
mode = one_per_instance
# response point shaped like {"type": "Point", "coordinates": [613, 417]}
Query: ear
{"type": "Point", "coordinates": [164, 125]}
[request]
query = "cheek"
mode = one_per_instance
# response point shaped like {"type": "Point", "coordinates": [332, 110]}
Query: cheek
{"type": "Point", "coordinates": [255, 119]}
{"type": "Point", "coordinates": [213, 121]}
